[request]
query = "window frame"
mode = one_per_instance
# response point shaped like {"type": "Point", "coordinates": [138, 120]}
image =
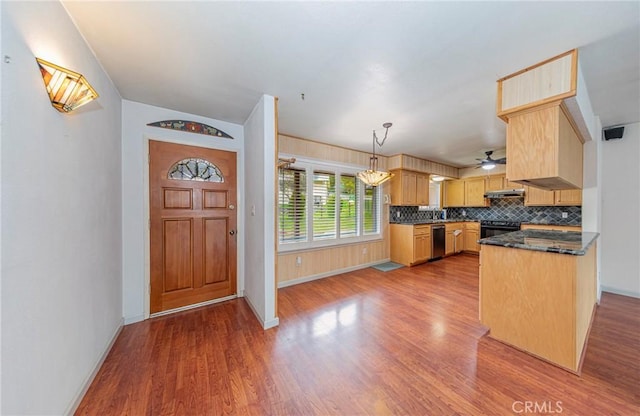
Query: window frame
{"type": "Point", "coordinates": [339, 169]}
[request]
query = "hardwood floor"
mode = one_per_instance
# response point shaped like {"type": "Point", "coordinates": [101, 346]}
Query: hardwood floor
{"type": "Point", "coordinates": [406, 341]}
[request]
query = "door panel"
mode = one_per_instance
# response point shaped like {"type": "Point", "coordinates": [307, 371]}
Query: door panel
{"type": "Point", "coordinates": [214, 199]}
{"type": "Point", "coordinates": [215, 259]}
{"type": "Point", "coordinates": [193, 224]}
{"type": "Point", "coordinates": [177, 198]}
{"type": "Point", "coordinates": [177, 245]}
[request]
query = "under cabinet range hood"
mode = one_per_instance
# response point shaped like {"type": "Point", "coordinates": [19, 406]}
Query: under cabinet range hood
{"type": "Point", "coordinates": [505, 193]}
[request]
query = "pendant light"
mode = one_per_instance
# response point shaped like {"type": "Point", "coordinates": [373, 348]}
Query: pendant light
{"type": "Point", "coordinates": [373, 176]}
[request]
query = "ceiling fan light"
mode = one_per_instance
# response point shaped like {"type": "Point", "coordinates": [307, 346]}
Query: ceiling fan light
{"type": "Point", "coordinates": [488, 166]}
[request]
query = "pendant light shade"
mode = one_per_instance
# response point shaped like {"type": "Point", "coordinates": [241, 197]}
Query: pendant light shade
{"type": "Point", "coordinates": [67, 89]}
{"type": "Point", "coordinates": [373, 176]}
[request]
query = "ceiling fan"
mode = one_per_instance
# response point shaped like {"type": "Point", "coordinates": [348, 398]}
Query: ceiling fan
{"type": "Point", "coordinates": [488, 163]}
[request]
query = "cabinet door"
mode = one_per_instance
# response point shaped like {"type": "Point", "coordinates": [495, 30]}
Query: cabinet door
{"type": "Point", "coordinates": [471, 241]}
{"type": "Point", "coordinates": [474, 192]}
{"type": "Point", "coordinates": [535, 196]}
{"type": "Point", "coordinates": [408, 188]}
{"type": "Point", "coordinates": [459, 242]}
{"type": "Point", "coordinates": [568, 197]}
{"type": "Point", "coordinates": [422, 189]}
{"type": "Point", "coordinates": [448, 242]}
{"type": "Point", "coordinates": [454, 193]}
{"type": "Point", "coordinates": [494, 183]}
{"type": "Point", "coordinates": [421, 248]}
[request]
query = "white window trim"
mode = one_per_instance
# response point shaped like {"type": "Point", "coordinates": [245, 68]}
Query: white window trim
{"type": "Point", "coordinates": [309, 165]}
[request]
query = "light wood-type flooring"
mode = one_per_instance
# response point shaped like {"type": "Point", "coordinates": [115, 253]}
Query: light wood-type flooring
{"type": "Point", "coordinates": [405, 342]}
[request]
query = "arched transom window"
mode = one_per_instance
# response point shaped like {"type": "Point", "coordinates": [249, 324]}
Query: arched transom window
{"type": "Point", "coordinates": [193, 169]}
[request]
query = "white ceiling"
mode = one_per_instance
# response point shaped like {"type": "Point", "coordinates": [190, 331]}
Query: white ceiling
{"type": "Point", "coordinates": [428, 67]}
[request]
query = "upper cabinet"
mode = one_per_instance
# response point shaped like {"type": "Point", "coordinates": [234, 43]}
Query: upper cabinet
{"type": "Point", "coordinates": [535, 196]}
{"type": "Point", "coordinates": [543, 149]}
{"type": "Point", "coordinates": [465, 193]}
{"type": "Point", "coordinates": [453, 193]}
{"type": "Point", "coordinates": [549, 118]}
{"type": "Point", "coordinates": [409, 188]}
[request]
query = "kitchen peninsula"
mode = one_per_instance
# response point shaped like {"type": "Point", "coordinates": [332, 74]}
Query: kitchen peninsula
{"type": "Point", "coordinates": [538, 292]}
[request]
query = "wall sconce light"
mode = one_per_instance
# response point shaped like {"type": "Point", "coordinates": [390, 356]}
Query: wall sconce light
{"type": "Point", "coordinates": [67, 90]}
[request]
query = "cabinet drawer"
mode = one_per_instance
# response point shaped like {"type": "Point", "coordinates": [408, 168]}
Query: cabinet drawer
{"type": "Point", "coordinates": [454, 226]}
{"type": "Point", "coordinates": [421, 229]}
{"type": "Point", "coordinates": [473, 226]}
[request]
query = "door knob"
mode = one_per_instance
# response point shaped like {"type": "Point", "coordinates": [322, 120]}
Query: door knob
{"type": "Point", "coordinates": [232, 232]}
{"type": "Point", "coordinates": [232, 207]}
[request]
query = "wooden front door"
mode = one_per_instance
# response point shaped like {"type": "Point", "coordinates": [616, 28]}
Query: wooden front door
{"type": "Point", "coordinates": [193, 224]}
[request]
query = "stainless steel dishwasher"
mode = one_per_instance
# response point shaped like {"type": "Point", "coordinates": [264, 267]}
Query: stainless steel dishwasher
{"type": "Point", "coordinates": [437, 241]}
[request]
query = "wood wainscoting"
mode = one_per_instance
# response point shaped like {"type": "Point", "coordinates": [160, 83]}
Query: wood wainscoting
{"type": "Point", "coordinates": [406, 341]}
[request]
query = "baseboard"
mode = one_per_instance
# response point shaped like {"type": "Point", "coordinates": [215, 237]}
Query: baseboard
{"type": "Point", "coordinates": [272, 323]}
{"type": "Point", "coordinates": [620, 292]}
{"type": "Point", "coordinates": [133, 319]}
{"type": "Point", "coordinates": [265, 324]}
{"type": "Point", "coordinates": [312, 277]}
{"type": "Point", "coordinates": [87, 383]}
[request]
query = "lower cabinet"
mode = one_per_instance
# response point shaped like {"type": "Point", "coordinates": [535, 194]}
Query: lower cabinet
{"type": "Point", "coordinates": [471, 237]}
{"type": "Point", "coordinates": [410, 244]}
{"type": "Point", "coordinates": [454, 237]}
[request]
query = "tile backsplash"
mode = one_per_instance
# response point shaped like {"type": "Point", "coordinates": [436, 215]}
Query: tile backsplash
{"type": "Point", "coordinates": [508, 209]}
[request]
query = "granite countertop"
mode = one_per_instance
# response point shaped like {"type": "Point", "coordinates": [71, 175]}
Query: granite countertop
{"type": "Point", "coordinates": [419, 222]}
{"type": "Point", "coordinates": [564, 224]}
{"type": "Point", "coordinates": [562, 242]}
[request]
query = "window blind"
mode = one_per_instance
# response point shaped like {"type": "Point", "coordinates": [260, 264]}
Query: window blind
{"type": "Point", "coordinates": [292, 202]}
{"type": "Point", "coordinates": [324, 205]}
{"type": "Point", "coordinates": [349, 205]}
{"type": "Point", "coordinates": [371, 209]}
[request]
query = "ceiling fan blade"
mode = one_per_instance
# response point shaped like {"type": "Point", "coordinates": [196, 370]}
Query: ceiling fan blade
{"type": "Point", "coordinates": [501, 161]}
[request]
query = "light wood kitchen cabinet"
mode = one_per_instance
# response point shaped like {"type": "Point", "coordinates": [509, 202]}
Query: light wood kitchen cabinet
{"type": "Point", "coordinates": [547, 125]}
{"type": "Point", "coordinates": [568, 197]}
{"type": "Point", "coordinates": [535, 196]}
{"type": "Point", "coordinates": [494, 183]}
{"type": "Point", "coordinates": [474, 189]}
{"type": "Point", "coordinates": [543, 149]}
{"type": "Point", "coordinates": [471, 237]}
{"type": "Point", "coordinates": [453, 193]}
{"type": "Point", "coordinates": [409, 188]}
{"type": "Point", "coordinates": [453, 243]}
{"type": "Point", "coordinates": [465, 192]}
{"type": "Point", "coordinates": [422, 189]}
{"type": "Point", "coordinates": [410, 244]}
{"type": "Point", "coordinates": [539, 197]}
{"type": "Point", "coordinates": [500, 182]}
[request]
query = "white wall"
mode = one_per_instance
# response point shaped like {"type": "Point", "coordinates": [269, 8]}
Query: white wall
{"type": "Point", "coordinates": [61, 222]}
{"type": "Point", "coordinates": [259, 232]}
{"type": "Point", "coordinates": [135, 208]}
{"type": "Point", "coordinates": [591, 194]}
{"type": "Point", "coordinates": [620, 239]}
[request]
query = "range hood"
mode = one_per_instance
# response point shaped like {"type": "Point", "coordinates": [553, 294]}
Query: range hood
{"type": "Point", "coordinates": [505, 193]}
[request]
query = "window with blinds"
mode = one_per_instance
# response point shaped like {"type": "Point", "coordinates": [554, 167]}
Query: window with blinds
{"type": "Point", "coordinates": [320, 205]}
{"type": "Point", "coordinates": [324, 205]}
{"type": "Point", "coordinates": [292, 205]}
{"type": "Point", "coordinates": [348, 206]}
